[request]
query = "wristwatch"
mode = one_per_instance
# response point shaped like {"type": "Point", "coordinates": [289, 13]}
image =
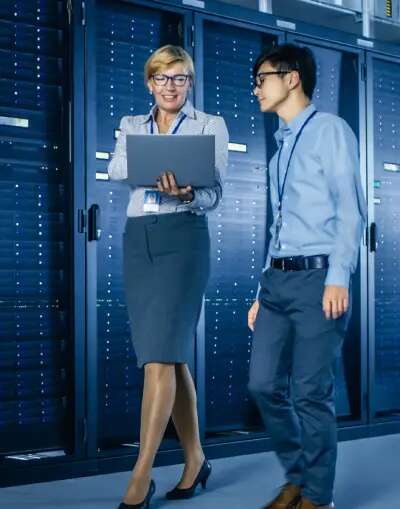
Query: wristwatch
{"type": "Point", "coordinates": [187, 201]}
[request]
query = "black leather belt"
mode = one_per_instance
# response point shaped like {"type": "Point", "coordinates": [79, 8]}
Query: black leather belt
{"type": "Point", "coordinates": [300, 262]}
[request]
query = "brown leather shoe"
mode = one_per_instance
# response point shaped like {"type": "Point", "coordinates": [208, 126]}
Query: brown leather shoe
{"type": "Point", "coordinates": [305, 503]}
{"type": "Point", "coordinates": [289, 495]}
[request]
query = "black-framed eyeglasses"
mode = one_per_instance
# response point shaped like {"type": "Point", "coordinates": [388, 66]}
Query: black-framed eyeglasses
{"type": "Point", "coordinates": [260, 77]}
{"type": "Point", "coordinates": [179, 80]}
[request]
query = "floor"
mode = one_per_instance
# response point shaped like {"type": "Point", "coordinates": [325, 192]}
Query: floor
{"type": "Point", "coordinates": [367, 478]}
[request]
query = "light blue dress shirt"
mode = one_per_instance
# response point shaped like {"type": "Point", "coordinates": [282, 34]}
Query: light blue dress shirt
{"type": "Point", "coordinates": [323, 207]}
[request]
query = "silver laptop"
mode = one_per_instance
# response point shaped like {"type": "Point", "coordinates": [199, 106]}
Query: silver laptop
{"type": "Point", "coordinates": [190, 157]}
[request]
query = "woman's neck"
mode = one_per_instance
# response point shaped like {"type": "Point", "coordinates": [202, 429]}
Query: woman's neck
{"type": "Point", "coordinates": [165, 118]}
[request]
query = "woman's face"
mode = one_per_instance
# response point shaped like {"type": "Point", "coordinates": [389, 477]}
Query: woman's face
{"type": "Point", "coordinates": [171, 95]}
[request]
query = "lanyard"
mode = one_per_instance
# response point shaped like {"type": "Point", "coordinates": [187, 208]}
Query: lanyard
{"type": "Point", "coordinates": [282, 190]}
{"type": "Point", "coordinates": [176, 128]}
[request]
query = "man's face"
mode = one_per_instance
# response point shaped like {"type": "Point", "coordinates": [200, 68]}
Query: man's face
{"type": "Point", "coordinates": [274, 89]}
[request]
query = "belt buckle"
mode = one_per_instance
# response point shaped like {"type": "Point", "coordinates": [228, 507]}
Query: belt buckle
{"type": "Point", "coordinates": [283, 264]}
{"type": "Point", "coordinates": [291, 264]}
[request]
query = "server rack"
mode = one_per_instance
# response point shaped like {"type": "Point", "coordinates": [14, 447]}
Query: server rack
{"type": "Point", "coordinates": [38, 391]}
{"type": "Point", "coordinates": [225, 58]}
{"type": "Point", "coordinates": [118, 44]}
{"type": "Point", "coordinates": [383, 192]}
{"type": "Point", "coordinates": [341, 90]}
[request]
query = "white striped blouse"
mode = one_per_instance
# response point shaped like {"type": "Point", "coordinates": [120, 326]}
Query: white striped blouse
{"type": "Point", "coordinates": [196, 122]}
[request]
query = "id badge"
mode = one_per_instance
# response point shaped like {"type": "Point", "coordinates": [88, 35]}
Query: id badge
{"type": "Point", "coordinates": [151, 201]}
{"type": "Point", "coordinates": [278, 226]}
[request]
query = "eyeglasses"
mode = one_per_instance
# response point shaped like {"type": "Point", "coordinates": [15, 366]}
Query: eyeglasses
{"type": "Point", "coordinates": [260, 77]}
{"type": "Point", "coordinates": [179, 80]}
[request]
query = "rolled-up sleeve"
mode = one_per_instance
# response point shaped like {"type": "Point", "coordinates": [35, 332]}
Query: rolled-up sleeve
{"type": "Point", "coordinates": [208, 198]}
{"type": "Point", "coordinates": [117, 168]}
{"type": "Point", "coordinates": [340, 161]}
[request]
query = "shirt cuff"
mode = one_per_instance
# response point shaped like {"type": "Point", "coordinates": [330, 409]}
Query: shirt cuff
{"type": "Point", "coordinates": [337, 276]}
{"type": "Point", "coordinates": [194, 202]}
{"type": "Point", "coordinates": [189, 205]}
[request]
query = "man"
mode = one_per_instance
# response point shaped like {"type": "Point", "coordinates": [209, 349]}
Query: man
{"type": "Point", "coordinates": [302, 308]}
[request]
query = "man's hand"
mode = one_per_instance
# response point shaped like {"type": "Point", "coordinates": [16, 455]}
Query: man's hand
{"type": "Point", "coordinates": [335, 301]}
{"type": "Point", "coordinates": [166, 183]}
{"type": "Point", "coordinates": [252, 315]}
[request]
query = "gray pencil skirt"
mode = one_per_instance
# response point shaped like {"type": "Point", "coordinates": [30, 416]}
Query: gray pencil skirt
{"type": "Point", "coordinates": [166, 269]}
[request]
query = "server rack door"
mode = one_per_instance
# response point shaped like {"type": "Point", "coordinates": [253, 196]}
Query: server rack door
{"type": "Point", "coordinates": [36, 327]}
{"type": "Point", "coordinates": [384, 230]}
{"type": "Point", "coordinates": [338, 91]}
{"type": "Point", "coordinates": [238, 227]}
{"type": "Point", "coordinates": [122, 36]}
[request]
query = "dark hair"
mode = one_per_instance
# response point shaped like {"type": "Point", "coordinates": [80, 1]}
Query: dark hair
{"type": "Point", "coordinates": [289, 57]}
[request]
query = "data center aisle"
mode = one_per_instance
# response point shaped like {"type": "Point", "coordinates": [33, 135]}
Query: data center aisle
{"type": "Point", "coordinates": [367, 479]}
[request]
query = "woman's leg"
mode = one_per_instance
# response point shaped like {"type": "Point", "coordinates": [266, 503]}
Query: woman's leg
{"type": "Point", "coordinates": [184, 416]}
{"type": "Point", "coordinates": [158, 400]}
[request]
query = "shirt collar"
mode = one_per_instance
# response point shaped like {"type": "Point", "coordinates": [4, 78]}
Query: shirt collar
{"type": "Point", "coordinates": [187, 109]}
{"type": "Point", "coordinates": [294, 126]}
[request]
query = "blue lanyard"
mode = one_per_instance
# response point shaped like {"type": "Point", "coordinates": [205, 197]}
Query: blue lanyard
{"type": "Point", "coordinates": [176, 129]}
{"type": "Point", "coordinates": [281, 191]}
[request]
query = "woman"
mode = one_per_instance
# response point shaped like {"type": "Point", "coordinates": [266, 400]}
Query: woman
{"type": "Point", "coordinates": [166, 268]}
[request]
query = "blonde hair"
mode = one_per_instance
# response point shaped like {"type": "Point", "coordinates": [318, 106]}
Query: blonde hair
{"type": "Point", "coordinates": [165, 57]}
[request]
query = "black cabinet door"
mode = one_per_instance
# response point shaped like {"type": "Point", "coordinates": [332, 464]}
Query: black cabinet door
{"type": "Point", "coordinates": [36, 326]}
{"type": "Point", "coordinates": [340, 90]}
{"type": "Point", "coordinates": [239, 226]}
{"type": "Point", "coordinates": [384, 235]}
{"type": "Point", "coordinates": [120, 38]}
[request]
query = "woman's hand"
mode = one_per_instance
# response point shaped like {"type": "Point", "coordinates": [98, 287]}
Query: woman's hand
{"type": "Point", "coordinates": [252, 315]}
{"type": "Point", "coordinates": [166, 183]}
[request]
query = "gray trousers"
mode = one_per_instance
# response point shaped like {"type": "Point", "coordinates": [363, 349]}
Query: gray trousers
{"type": "Point", "coordinates": [292, 377]}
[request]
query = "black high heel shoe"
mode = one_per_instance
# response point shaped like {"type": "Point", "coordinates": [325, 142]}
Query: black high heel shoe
{"type": "Point", "coordinates": [202, 477]}
{"type": "Point", "coordinates": [146, 502]}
